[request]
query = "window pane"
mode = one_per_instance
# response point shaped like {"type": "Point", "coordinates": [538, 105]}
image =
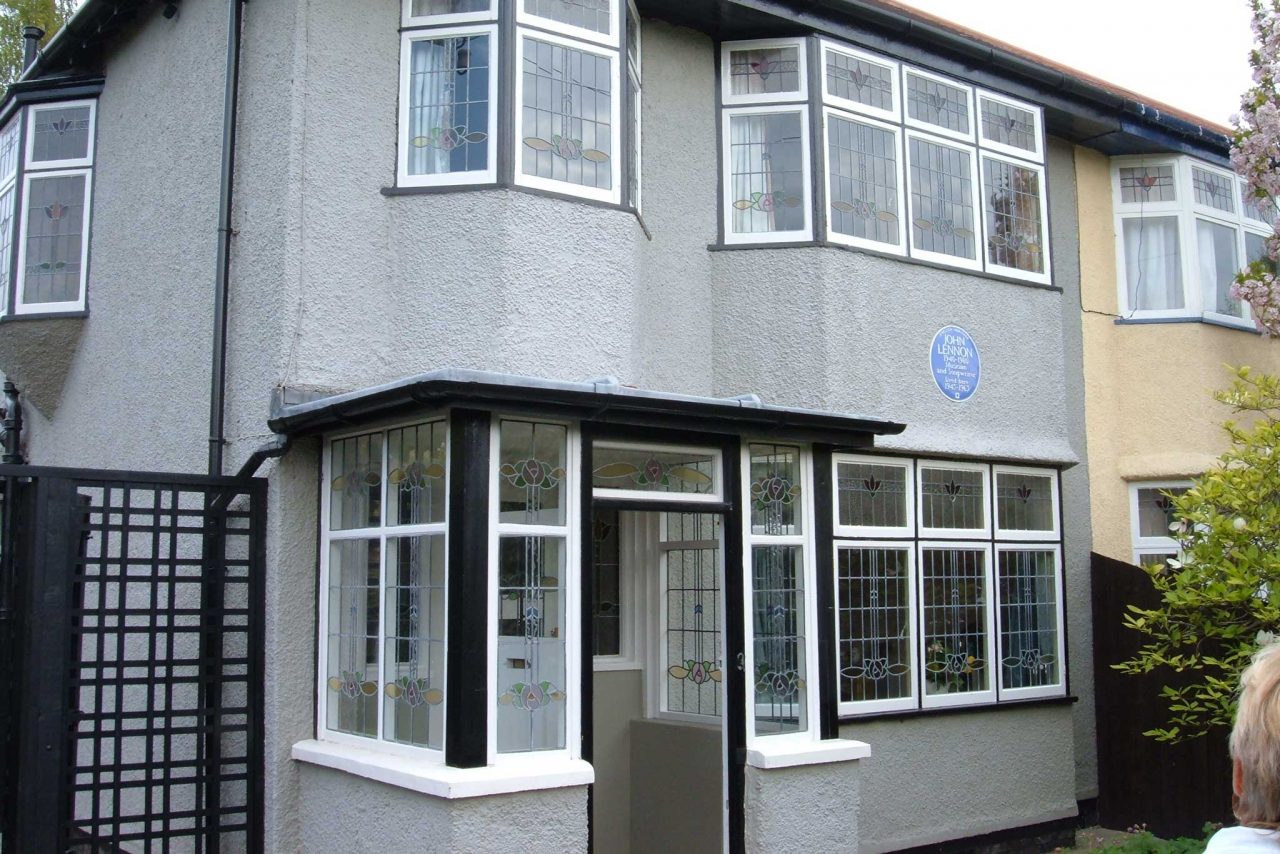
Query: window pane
{"type": "Point", "coordinates": [449, 105]}
{"type": "Point", "coordinates": [763, 70]}
{"type": "Point", "coordinates": [414, 659]}
{"type": "Point", "coordinates": [871, 496]}
{"type": "Point", "coordinates": [9, 152]}
{"type": "Point", "coordinates": [1024, 502]}
{"type": "Point", "coordinates": [767, 184]}
{"type": "Point", "coordinates": [1212, 189]}
{"type": "Point", "coordinates": [692, 633]}
{"type": "Point", "coordinates": [1008, 125]}
{"type": "Point", "coordinates": [55, 239]}
{"type": "Point", "coordinates": [60, 133]}
{"type": "Point", "coordinates": [937, 103]}
{"type": "Point", "coordinates": [941, 199]}
{"type": "Point", "coordinates": [1147, 184]}
{"type": "Point", "coordinates": [858, 80]}
{"type": "Point", "coordinates": [633, 37]}
{"type": "Point", "coordinates": [531, 473]}
{"type": "Point", "coordinates": [1028, 618]}
{"type": "Point", "coordinates": [863, 174]}
{"type": "Point", "coordinates": [775, 490]}
{"type": "Point", "coordinates": [6, 244]}
{"type": "Point", "coordinates": [1153, 263]}
{"type": "Point", "coordinates": [416, 483]}
{"type": "Point", "coordinates": [567, 115]}
{"type": "Point", "coordinates": [633, 150]}
{"type": "Point", "coordinates": [955, 634]}
{"type": "Point", "coordinates": [423, 8]}
{"type": "Point", "coordinates": [874, 623]}
{"type": "Point", "coordinates": [606, 592]}
{"type": "Point", "coordinates": [1255, 249]}
{"type": "Point", "coordinates": [777, 597]}
{"type": "Point", "coordinates": [653, 470]}
{"type": "Point", "coordinates": [1155, 511]}
{"type": "Point", "coordinates": [1013, 215]}
{"type": "Point", "coordinates": [952, 498]}
{"type": "Point", "coordinates": [590, 15]}
{"type": "Point", "coordinates": [355, 469]}
{"type": "Point", "coordinates": [352, 666]}
{"type": "Point", "coordinates": [531, 645]}
{"type": "Point", "coordinates": [1216, 250]}
{"type": "Point", "coordinates": [1261, 210]}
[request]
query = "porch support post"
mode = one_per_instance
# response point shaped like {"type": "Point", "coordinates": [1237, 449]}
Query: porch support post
{"type": "Point", "coordinates": [736, 570]}
{"type": "Point", "coordinates": [825, 590]}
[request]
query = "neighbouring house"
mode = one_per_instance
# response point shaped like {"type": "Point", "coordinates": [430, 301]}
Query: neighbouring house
{"type": "Point", "coordinates": [541, 324]}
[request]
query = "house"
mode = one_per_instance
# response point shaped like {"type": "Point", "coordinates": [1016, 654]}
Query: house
{"type": "Point", "coordinates": [543, 324]}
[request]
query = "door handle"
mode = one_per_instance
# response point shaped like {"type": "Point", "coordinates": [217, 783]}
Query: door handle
{"type": "Point", "coordinates": [742, 662]}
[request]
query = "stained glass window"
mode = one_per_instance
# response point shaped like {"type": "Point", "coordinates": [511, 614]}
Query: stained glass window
{"type": "Point", "coordinates": [863, 170]}
{"type": "Point", "coordinates": [775, 490]}
{"type": "Point", "coordinates": [1025, 502]}
{"type": "Point", "coordinates": [691, 585]}
{"type": "Point", "coordinates": [954, 596]}
{"type": "Point", "coordinates": [449, 110]}
{"type": "Point", "coordinates": [873, 495]}
{"type": "Point", "coordinates": [1147, 184]}
{"type": "Point", "coordinates": [953, 499]}
{"type": "Point", "coordinates": [942, 208]}
{"type": "Point", "coordinates": [6, 243]}
{"type": "Point", "coordinates": [60, 134]}
{"type": "Point", "coordinates": [433, 8]}
{"type": "Point", "coordinates": [1212, 189]}
{"type": "Point", "coordinates": [355, 497]}
{"type": "Point", "coordinates": [416, 470]}
{"type": "Point", "coordinates": [1154, 522]}
{"type": "Point", "coordinates": [1014, 203]}
{"type": "Point", "coordinates": [352, 661]}
{"type": "Point", "coordinates": [764, 70]}
{"type": "Point", "coordinates": [634, 102]}
{"type": "Point", "coordinates": [531, 473]}
{"type": "Point", "coordinates": [592, 15]}
{"type": "Point", "coordinates": [1259, 210]}
{"type": "Point", "coordinates": [567, 114]}
{"type": "Point", "coordinates": [937, 103]}
{"type": "Point", "coordinates": [873, 619]}
{"type": "Point", "coordinates": [1027, 584]}
{"type": "Point", "coordinates": [859, 80]}
{"type": "Point", "coordinates": [767, 187]}
{"type": "Point", "coordinates": [56, 215]}
{"type": "Point", "coordinates": [606, 590]}
{"type": "Point", "coordinates": [1009, 125]}
{"type": "Point", "coordinates": [9, 152]}
{"type": "Point", "coordinates": [1155, 510]}
{"type": "Point", "coordinates": [414, 658]}
{"type": "Point", "coordinates": [653, 469]}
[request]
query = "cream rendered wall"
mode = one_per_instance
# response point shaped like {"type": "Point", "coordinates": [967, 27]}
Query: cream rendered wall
{"type": "Point", "coordinates": [1149, 410]}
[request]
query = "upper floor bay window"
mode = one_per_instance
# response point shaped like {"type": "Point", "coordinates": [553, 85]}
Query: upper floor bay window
{"type": "Point", "coordinates": [1184, 229]}
{"type": "Point", "coordinates": [575, 121]}
{"type": "Point", "coordinates": [912, 163]}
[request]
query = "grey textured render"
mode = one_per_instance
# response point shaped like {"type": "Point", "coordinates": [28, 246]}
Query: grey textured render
{"type": "Point", "coordinates": [336, 286]}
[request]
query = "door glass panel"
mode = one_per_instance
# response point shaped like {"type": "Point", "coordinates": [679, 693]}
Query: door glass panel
{"type": "Point", "coordinates": [691, 581]}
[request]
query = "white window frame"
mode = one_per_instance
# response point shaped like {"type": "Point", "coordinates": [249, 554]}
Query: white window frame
{"type": "Point", "coordinates": [9, 184]}
{"type": "Point", "coordinates": [488, 175]}
{"type": "Point", "coordinates": [966, 698]}
{"type": "Point", "coordinates": [716, 494]}
{"type": "Point", "coordinates": [408, 19]}
{"type": "Point", "coordinates": [611, 39]}
{"type": "Point", "coordinates": [1045, 277]}
{"type": "Point", "coordinates": [904, 218]}
{"type": "Point", "coordinates": [969, 534]}
{"type": "Point", "coordinates": [1037, 121]}
{"type": "Point", "coordinates": [1038, 536]}
{"type": "Point", "coordinates": [929, 127]}
{"type": "Point", "coordinates": [912, 701]}
{"type": "Point", "coordinates": [728, 98]}
{"type": "Point", "coordinates": [635, 82]}
{"type": "Point", "coordinates": [905, 463]}
{"type": "Point", "coordinates": [381, 533]}
{"type": "Point", "coordinates": [979, 227]}
{"type": "Point", "coordinates": [1151, 545]}
{"type": "Point", "coordinates": [66, 163]}
{"type": "Point", "coordinates": [1058, 688]}
{"type": "Point", "coordinates": [613, 194]}
{"type": "Point", "coordinates": [726, 176]}
{"type": "Point", "coordinates": [570, 532]}
{"type": "Point", "coordinates": [894, 114]}
{"type": "Point", "coordinates": [20, 306]}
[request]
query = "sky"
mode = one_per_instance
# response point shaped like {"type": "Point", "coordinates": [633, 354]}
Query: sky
{"type": "Point", "coordinates": [1190, 54]}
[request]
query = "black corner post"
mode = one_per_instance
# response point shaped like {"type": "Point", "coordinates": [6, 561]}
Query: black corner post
{"type": "Point", "coordinates": [736, 571]}
{"type": "Point", "coordinates": [586, 588]}
{"type": "Point", "coordinates": [11, 425]}
{"type": "Point", "coordinates": [467, 702]}
{"type": "Point", "coordinates": [825, 590]}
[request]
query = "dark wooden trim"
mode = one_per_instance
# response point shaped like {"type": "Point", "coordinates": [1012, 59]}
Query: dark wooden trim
{"type": "Point", "coordinates": [586, 624]}
{"type": "Point", "coordinates": [735, 572]}
{"type": "Point", "coordinates": [467, 698]}
{"type": "Point", "coordinates": [825, 591]}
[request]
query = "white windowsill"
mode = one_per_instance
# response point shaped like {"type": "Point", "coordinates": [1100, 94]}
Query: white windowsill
{"type": "Point", "coordinates": [443, 781]}
{"type": "Point", "coordinates": [790, 754]}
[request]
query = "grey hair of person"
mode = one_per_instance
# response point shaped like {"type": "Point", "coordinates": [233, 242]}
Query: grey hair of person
{"type": "Point", "coordinates": [1255, 741]}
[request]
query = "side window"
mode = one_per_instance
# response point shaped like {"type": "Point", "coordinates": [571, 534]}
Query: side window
{"type": "Point", "coordinates": [1151, 518]}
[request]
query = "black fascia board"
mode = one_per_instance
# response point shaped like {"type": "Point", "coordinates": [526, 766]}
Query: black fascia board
{"type": "Point", "coordinates": [44, 89]}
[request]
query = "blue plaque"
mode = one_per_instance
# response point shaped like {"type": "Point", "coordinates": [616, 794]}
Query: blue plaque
{"type": "Point", "coordinates": [955, 363]}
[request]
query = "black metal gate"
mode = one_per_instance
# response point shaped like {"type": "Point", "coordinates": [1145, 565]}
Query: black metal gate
{"type": "Point", "coordinates": [131, 661]}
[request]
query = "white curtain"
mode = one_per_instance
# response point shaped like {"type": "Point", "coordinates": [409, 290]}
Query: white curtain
{"type": "Point", "coordinates": [1153, 270]}
{"type": "Point", "coordinates": [1216, 249]}
{"type": "Point", "coordinates": [430, 105]}
{"type": "Point", "coordinates": [748, 138]}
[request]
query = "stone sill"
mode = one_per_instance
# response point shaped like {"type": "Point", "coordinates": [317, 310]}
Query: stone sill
{"type": "Point", "coordinates": [769, 753]}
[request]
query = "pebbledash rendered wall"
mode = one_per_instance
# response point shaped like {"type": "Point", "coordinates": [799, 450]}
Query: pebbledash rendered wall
{"type": "Point", "coordinates": [336, 286]}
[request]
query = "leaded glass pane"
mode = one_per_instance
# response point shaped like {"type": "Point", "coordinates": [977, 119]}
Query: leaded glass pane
{"type": "Point", "coordinates": [1255, 249]}
{"type": "Point", "coordinates": [766, 181]}
{"type": "Point", "coordinates": [1152, 262]}
{"type": "Point", "coordinates": [859, 80]}
{"type": "Point", "coordinates": [355, 484]}
{"type": "Point", "coordinates": [416, 482]}
{"type": "Point", "coordinates": [60, 133]}
{"type": "Point", "coordinates": [952, 499]}
{"type": "Point", "coordinates": [425, 8]}
{"type": "Point", "coordinates": [633, 37]}
{"type": "Point", "coordinates": [1216, 252]}
{"type": "Point", "coordinates": [1027, 582]}
{"type": "Point", "coordinates": [593, 15]}
{"type": "Point", "coordinates": [1141, 184]}
{"type": "Point", "coordinates": [531, 473]}
{"type": "Point", "coordinates": [449, 110]}
{"type": "Point", "coordinates": [1008, 125]}
{"type": "Point", "coordinates": [692, 633]}
{"type": "Point", "coordinates": [775, 490]}
{"type": "Point", "coordinates": [777, 597]}
{"type": "Point", "coordinates": [874, 623]}
{"type": "Point", "coordinates": [6, 244]}
{"type": "Point", "coordinates": [1014, 224]}
{"type": "Point", "coordinates": [955, 633]}
{"type": "Point", "coordinates": [55, 221]}
{"type": "Point", "coordinates": [567, 115]}
{"type": "Point", "coordinates": [654, 470]}
{"type": "Point", "coordinates": [414, 657]}
{"type": "Point", "coordinates": [1260, 210]}
{"type": "Point", "coordinates": [764, 70]}
{"type": "Point", "coordinates": [1212, 190]}
{"type": "Point", "coordinates": [606, 591]}
{"type": "Point", "coordinates": [9, 152]}
{"type": "Point", "coordinates": [352, 662]}
{"type": "Point", "coordinates": [862, 163]}
{"type": "Point", "coordinates": [942, 216]}
{"type": "Point", "coordinates": [1024, 502]}
{"type": "Point", "coordinates": [871, 495]}
{"type": "Point", "coordinates": [633, 149]}
{"type": "Point", "coordinates": [938, 103]}
{"type": "Point", "coordinates": [531, 647]}
{"type": "Point", "coordinates": [1155, 510]}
